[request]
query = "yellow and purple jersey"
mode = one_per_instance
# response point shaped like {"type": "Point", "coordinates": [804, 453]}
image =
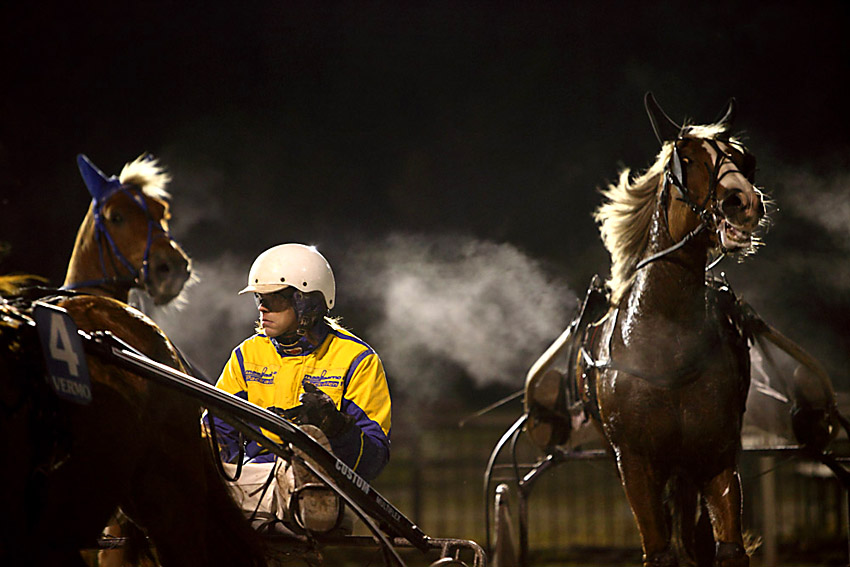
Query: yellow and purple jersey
{"type": "Point", "coordinates": [344, 367]}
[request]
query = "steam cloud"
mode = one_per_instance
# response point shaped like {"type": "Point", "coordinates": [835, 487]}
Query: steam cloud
{"type": "Point", "coordinates": [210, 319]}
{"type": "Point", "coordinates": [445, 302]}
{"type": "Point", "coordinates": [825, 201]}
{"type": "Point", "coordinates": [431, 306]}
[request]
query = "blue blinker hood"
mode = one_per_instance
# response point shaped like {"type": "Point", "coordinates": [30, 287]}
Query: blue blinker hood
{"type": "Point", "coordinates": [100, 186]}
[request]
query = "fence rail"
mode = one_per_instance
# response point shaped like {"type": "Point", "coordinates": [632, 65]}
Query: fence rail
{"type": "Point", "coordinates": [796, 508]}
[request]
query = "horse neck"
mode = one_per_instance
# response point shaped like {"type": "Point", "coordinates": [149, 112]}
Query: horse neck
{"type": "Point", "coordinates": [85, 266]}
{"type": "Point", "coordinates": [672, 287]}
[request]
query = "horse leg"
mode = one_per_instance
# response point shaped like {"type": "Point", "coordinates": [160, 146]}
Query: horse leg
{"type": "Point", "coordinates": [704, 547]}
{"type": "Point", "coordinates": [723, 499]}
{"type": "Point", "coordinates": [684, 498]}
{"type": "Point", "coordinates": [167, 501]}
{"type": "Point", "coordinates": [189, 512]}
{"type": "Point", "coordinates": [644, 486]}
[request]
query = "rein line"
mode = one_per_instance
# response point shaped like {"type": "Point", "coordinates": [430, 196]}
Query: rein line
{"type": "Point", "coordinates": [658, 255]}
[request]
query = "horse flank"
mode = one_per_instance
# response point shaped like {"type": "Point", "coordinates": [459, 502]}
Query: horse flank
{"type": "Point", "coordinates": [625, 216]}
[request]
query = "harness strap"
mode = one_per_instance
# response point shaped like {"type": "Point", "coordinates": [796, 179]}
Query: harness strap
{"type": "Point", "coordinates": [608, 363]}
{"type": "Point", "coordinates": [216, 453]}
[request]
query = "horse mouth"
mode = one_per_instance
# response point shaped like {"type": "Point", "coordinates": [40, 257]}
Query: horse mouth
{"type": "Point", "coordinates": [733, 237]}
{"type": "Point", "coordinates": [167, 276]}
{"type": "Point", "coordinates": [163, 289]}
{"type": "Point", "coordinates": [162, 295]}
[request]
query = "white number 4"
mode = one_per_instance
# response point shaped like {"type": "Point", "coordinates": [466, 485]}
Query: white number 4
{"type": "Point", "coordinates": [60, 344]}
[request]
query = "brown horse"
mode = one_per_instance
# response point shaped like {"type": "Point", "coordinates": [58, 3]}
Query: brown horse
{"type": "Point", "coordinates": [135, 445]}
{"type": "Point", "coordinates": [667, 367]}
{"type": "Point", "coordinates": [123, 241]}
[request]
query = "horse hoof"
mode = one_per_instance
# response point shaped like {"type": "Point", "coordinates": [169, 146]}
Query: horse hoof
{"type": "Point", "coordinates": [729, 554]}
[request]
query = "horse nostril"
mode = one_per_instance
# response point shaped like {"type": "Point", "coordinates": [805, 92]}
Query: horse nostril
{"type": "Point", "coordinates": [732, 204]}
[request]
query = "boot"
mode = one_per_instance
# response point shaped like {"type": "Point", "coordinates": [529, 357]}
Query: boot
{"type": "Point", "coordinates": [312, 504]}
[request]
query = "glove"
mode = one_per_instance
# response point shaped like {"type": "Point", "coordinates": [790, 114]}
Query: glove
{"type": "Point", "coordinates": [317, 408]}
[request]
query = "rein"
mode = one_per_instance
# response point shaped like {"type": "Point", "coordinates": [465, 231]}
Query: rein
{"type": "Point", "coordinates": [101, 232]}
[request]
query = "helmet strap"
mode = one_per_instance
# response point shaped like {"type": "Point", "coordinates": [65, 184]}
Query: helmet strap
{"type": "Point", "coordinates": [293, 344]}
{"type": "Point", "coordinates": [309, 309]}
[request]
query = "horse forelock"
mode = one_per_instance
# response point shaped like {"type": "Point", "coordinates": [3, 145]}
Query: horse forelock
{"type": "Point", "coordinates": [147, 174]}
{"type": "Point", "coordinates": [625, 217]}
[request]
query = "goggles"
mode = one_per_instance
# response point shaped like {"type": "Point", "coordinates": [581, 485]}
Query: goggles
{"type": "Point", "coordinates": [275, 302]}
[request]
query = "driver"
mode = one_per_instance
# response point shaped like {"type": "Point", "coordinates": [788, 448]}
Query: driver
{"type": "Point", "coordinates": [301, 358]}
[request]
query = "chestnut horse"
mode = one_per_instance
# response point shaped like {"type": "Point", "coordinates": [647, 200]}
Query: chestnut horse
{"type": "Point", "coordinates": [136, 445]}
{"type": "Point", "coordinates": [667, 367]}
{"type": "Point", "coordinates": [123, 241]}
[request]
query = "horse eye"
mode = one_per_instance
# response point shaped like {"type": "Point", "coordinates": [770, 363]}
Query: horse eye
{"type": "Point", "coordinates": [116, 218]}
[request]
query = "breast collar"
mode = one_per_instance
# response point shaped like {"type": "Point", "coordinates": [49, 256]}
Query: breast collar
{"type": "Point", "coordinates": [303, 345]}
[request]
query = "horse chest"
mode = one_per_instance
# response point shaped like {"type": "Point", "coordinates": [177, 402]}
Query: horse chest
{"type": "Point", "coordinates": [663, 350]}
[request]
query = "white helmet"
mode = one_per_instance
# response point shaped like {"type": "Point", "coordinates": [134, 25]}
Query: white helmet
{"type": "Point", "coordinates": [292, 265]}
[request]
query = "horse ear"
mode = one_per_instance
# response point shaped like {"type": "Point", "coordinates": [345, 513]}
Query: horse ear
{"type": "Point", "coordinates": [665, 129]}
{"type": "Point", "coordinates": [727, 116]}
{"type": "Point", "coordinates": [97, 183]}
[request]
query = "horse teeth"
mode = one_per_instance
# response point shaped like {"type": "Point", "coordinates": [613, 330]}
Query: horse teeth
{"type": "Point", "coordinates": [734, 237]}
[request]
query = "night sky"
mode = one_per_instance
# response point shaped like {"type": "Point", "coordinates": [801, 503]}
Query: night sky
{"type": "Point", "coordinates": [445, 156]}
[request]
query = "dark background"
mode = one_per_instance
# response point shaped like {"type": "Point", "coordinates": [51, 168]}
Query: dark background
{"type": "Point", "coordinates": [445, 156]}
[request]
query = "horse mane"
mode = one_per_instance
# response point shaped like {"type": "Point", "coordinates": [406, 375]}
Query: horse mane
{"type": "Point", "coordinates": [624, 218]}
{"type": "Point", "coordinates": [11, 284]}
{"type": "Point", "coordinates": [149, 175]}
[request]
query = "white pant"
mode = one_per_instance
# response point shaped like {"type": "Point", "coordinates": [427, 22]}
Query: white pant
{"type": "Point", "coordinates": [264, 491]}
{"type": "Point", "coordinates": [258, 494]}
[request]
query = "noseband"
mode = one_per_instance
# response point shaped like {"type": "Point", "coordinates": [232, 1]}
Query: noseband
{"type": "Point", "coordinates": [139, 276]}
{"type": "Point", "coordinates": [675, 176]}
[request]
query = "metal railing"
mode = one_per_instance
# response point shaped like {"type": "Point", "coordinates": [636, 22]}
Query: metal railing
{"type": "Point", "coordinates": [796, 508]}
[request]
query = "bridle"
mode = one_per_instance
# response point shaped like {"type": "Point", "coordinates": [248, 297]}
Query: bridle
{"type": "Point", "coordinates": [155, 231]}
{"type": "Point", "coordinates": [676, 176]}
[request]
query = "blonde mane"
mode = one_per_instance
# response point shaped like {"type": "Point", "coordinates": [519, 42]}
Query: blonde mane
{"type": "Point", "coordinates": [147, 174]}
{"type": "Point", "coordinates": [624, 218]}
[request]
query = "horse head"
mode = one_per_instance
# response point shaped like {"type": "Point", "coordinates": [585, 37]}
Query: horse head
{"type": "Point", "coordinates": [708, 181]}
{"type": "Point", "coordinates": [124, 240]}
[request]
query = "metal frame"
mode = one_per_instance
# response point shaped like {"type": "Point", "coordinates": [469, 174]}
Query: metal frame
{"type": "Point", "coordinates": [389, 527]}
{"type": "Point", "coordinates": [840, 467]}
